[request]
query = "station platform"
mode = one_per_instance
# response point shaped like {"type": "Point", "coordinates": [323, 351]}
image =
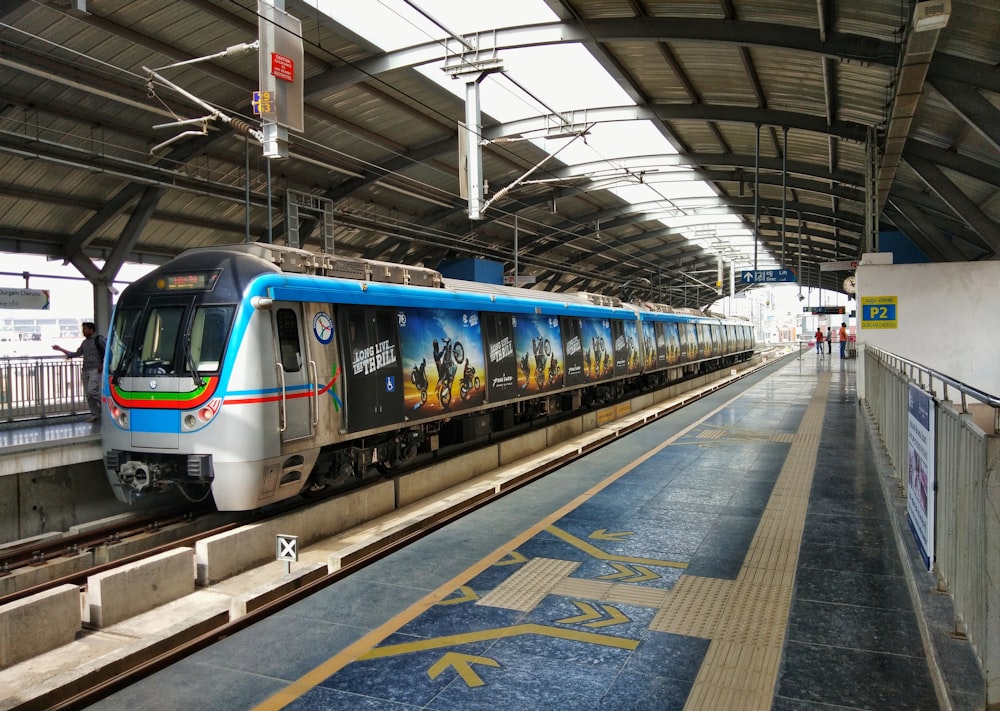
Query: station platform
{"type": "Point", "coordinates": [744, 552]}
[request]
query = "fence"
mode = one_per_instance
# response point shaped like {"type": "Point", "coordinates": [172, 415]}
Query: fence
{"type": "Point", "coordinates": [38, 387]}
{"type": "Point", "coordinates": [967, 462]}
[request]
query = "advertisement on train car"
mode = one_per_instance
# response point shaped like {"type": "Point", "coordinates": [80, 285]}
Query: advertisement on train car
{"type": "Point", "coordinates": [689, 340]}
{"type": "Point", "coordinates": [442, 355]}
{"type": "Point", "coordinates": [628, 359]}
{"type": "Point", "coordinates": [538, 342]}
{"type": "Point", "coordinates": [374, 371]}
{"type": "Point", "coordinates": [595, 334]}
{"type": "Point", "coordinates": [650, 357]}
{"type": "Point", "coordinates": [573, 350]}
{"type": "Point", "coordinates": [501, 358]}
{"type": "Point", "coordinates": [669, 342]}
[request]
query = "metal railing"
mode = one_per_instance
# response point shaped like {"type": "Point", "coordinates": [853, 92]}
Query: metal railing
{"type": "Point", "coordinates": [967, 512]}
{"type": "Point", "coordinates": [39, 387]}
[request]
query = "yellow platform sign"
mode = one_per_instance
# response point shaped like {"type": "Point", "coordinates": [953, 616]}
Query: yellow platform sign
{"type": "Point", "coordinates": [878, 311]}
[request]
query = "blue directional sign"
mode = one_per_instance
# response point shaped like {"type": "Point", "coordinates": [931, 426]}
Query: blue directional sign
{"type": "Point", "coordinates": [766, 276]}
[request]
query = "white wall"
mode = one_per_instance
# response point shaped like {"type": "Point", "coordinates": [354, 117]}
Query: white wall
{"type": "Point", "coordinates": [946, 317]}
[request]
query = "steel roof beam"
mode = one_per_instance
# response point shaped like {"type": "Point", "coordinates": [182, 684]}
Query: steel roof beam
{"type": "Point", "coordinates": [936, 180]}
{"type": "Point", "coordinates": [857, 48]}
{"type": "Point", "coordinates": [977, 111]}
{"type": "Point", "coordinates": [848, 130]}
{"type": "Point", "coordinates": [924, 233]}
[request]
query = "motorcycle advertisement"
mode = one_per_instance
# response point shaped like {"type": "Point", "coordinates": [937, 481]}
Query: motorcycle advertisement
{"type": "Point", "coordinates": [652, 359]}
{"type": "Point", "coordinates": [628, 359]}
{"type": "Point", "coordinates": [670, 343]}
{"type": "Point", "coordinates": [538, 343]}
{"type": "Point", "coordinates": [443, 361]}
{"type": "Point", "coordinates": [690, 340]}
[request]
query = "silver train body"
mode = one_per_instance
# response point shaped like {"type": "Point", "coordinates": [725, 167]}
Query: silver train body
{"type": "Point", "coordinates": [254, 372]}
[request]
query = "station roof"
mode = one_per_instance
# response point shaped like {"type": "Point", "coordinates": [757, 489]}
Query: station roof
{"type": "Point", "coordinates": [820, 123]}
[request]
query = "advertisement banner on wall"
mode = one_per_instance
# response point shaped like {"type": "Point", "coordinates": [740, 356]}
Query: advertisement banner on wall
{"type": "Point", "coordinates": [920, 474]}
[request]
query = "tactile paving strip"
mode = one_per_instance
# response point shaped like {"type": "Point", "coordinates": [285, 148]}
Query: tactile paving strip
{"type": "Point", "coordinates": [741, 667]}
{"type": "Point", "coordinates": [694, 607]}
{"type": "Point", "coordinates": [528, 586]}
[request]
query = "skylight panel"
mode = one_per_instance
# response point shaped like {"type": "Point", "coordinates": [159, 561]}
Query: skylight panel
{"type": "Point", "coordinates": [394, 24]}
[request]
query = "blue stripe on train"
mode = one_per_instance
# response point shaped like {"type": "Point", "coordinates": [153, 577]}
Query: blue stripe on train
{"type": "Point", "coordinates": [155, 420]}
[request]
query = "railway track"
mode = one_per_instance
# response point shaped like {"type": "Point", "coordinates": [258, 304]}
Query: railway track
{"type": "Point", "coordinates": [125, 673]}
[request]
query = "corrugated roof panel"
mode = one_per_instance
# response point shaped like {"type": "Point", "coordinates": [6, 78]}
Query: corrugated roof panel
{"type": "Point", "coordinates": [791, 80]}
{"type": "Point", "coordinates": [699, 9]}
{"type": "Point", "coordinates": [861, 93]}
{"type": "Point", "coordinates": [652, 75]}
{"type": "Point", "coordinates": [791, 12]}
{"type": "Point", "coordinates": [716, 72]}
{"type": "Point", "coordinates": [970, 22]}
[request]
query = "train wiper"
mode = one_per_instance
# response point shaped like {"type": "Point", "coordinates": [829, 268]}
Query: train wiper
{"type": "Point", "coordinates": [127, 353]}
{"type": "Point", "coordinates": [189, 362]}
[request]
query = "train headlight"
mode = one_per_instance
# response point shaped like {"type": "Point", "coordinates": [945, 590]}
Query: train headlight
{"type": "Point", "coordinates": [120, 416]}
{"type": "Point", "coordinates": [196, 419]}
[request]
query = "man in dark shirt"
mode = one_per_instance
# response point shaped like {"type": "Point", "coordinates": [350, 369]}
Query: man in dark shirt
{"type": "Point", "coordinates": [92, 350]}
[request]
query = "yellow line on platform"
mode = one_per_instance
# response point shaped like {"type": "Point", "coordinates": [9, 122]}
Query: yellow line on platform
{"type": "Point", "coordinates": [740, 669]}
{"type": "Point", "coordinates": [392, 650]}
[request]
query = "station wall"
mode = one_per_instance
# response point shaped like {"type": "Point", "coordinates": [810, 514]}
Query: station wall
{"type": "Point", "coordinates": [944, 317]}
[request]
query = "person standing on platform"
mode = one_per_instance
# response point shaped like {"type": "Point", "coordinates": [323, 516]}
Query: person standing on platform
{"type": "Point", "coordinates": [819, 341]}
{"type": "Point", "coordinates": [843, 340]}
{"type": "Point", "coordinates": [829, 340]}
{"type": "Point", "coordinates": [92, 350]}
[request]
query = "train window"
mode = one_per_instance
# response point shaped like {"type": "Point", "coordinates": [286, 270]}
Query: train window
{"type": "Point", "coordinates": [124, 330]}
{"type": "Point", "coordinates": [208, 336]}
{"type": "Point", "coordinates": [159, 342]}
{"type": "Point", "coordinates": [288, 340]}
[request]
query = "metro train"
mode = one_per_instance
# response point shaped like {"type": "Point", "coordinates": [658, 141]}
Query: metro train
{"type": "Point", "coordinates": [256, 372]}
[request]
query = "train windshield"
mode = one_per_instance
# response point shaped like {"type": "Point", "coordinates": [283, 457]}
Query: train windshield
{"type": "Point", "coordinates": [170, 339]}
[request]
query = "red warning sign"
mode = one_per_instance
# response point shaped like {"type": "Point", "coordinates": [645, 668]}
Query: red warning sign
{"type": "Point", "coordinates": [282, 67]}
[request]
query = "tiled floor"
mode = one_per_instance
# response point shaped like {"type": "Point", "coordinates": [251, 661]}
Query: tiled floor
{"type": "Point", "coordinates": [748, 562]}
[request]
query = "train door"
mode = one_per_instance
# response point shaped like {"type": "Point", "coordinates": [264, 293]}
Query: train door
{"type": "Point", "coordinates": [296, 388]}
{"type": "Point", "coordinates": [374, 385]}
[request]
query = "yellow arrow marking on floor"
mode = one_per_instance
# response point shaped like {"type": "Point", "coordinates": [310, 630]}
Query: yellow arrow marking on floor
{"type": "Point", "coordinates": [392, 650]}
{"type": "Point", "coordinates": [591, 616]}
{"type": "Point", "coordinates": [512, 558]}
{"type": "Point", "coordinates": [629, 573]}
{"type": "Point", "coordinates": [463, 665]}
{"type": "Point", "coordinates": [602, 534]}
{"type": "Point", "coordinates": [467, 594]}
{"type": "Point", "coordinates": [596, 552]}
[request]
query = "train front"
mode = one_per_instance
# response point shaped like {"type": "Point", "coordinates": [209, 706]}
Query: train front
{"type": "Point", "coordinates": [172, 346]}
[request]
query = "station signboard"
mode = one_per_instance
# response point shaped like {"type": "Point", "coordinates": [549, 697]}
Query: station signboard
{"type": "Point", "coordinates": [878, 311]}
{"type": "Point", "coordinates": [766, 276]}
{"type": "Point", "coordinates": [24, 298]}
